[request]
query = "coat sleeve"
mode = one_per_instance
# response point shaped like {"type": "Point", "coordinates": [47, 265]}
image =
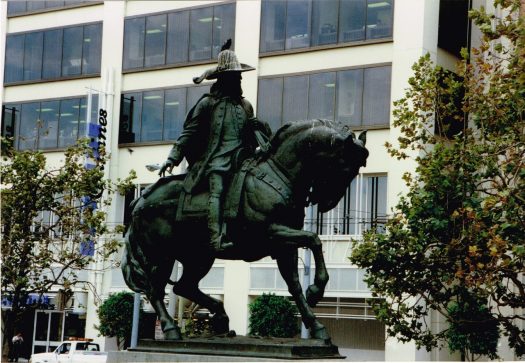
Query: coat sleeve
{"type": "Point", "coordinates": [192, 140]}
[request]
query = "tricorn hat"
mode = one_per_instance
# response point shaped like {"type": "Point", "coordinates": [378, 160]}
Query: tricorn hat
{"type": "Point", "coordinates": [226, 62]}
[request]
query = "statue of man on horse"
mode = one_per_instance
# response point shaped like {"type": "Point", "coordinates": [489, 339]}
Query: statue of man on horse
{"type": "Point", "coordinates": [219, 132]}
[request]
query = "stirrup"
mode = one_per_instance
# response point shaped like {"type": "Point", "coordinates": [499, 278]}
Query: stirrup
{"type": "Point", "coordinates": [219, 244]}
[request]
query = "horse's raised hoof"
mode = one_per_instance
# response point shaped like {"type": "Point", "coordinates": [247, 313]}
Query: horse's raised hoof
{"type": "Point", "coordinates": [313, 295]}
{"type": "Point", "coordinates": [318, 331]}
{"type": "Point", "coordinates": [173, 334]}
{"type": "Point", "coordinates": [220, 323]}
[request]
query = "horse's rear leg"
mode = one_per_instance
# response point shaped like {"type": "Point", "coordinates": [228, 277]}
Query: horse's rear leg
{"type": "Point", "coordinates": [188, 286]}
{"type": "Point", "coordinates": [287, 263]}
{"type": "Point", "coordinates": [169, 327]}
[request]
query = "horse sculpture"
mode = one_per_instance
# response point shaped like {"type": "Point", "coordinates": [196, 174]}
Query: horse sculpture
{"type": "Point", "coordinates": [309, 162]}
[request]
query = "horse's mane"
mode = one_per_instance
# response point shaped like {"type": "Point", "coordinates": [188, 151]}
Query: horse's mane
{"type": "Point", "coordinates": [294, 127]}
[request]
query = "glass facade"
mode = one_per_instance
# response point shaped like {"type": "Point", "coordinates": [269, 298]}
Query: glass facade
{"type": "Point", "coordinates": [156, 115]}
{"type": "Point", "coordinates": [53, 54]}
{"type": "Point", "coordinates": [48, 124]}
{"type": "Point", "coordinates": [357, 97]}
{"type": "Point", "coordinates": [177, 37]}
{"type": "Point", "coordinates": [20, 7]}
{"type": "Point", "coordinates": [292, 24]}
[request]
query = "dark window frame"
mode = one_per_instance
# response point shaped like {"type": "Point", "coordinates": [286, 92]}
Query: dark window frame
{"type": "Point", "coordinates": [16, 130]}
{"type": "Point", "coordinates": [180, 63]}
{"type": "Point", "coordinates": [337, 44]}
{"type": "Point", "coordinates": [336, 98]}
{"type": "Point", "coordinates": [55, 8]}
{"type": "Point", "coordinates": [61, 77]}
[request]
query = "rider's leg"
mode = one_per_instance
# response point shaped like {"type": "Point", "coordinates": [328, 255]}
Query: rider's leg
{"type": "Point", "coordinates": [215, 212]}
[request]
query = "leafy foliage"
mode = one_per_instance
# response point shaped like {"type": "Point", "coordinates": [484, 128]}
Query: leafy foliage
{"type": "Point", "coordinates": [455, 243]}
{"type": "Point", "coordinates": [274, 316]}
{"type": "Point", "coordinates": [116, 316]}
{"type": "Point", "coordinates": [49, 222]}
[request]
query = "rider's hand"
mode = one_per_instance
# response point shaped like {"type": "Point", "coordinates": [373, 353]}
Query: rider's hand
{"type": "Point", "coordinates": [167, 166]}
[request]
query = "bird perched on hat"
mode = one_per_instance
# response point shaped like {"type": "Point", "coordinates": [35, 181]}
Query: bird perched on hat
{"type": "Point", "coordinates": [226, 62]}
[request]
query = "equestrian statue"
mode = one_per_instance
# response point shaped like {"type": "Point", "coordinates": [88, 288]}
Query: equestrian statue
{"type": "Point", "coordinates": [243, 198]}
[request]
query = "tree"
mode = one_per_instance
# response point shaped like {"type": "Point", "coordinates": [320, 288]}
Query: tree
{"type": "Point", "coordinates": [273, 316]}
{"type": "Point", "coordinates": [455, 244]}
{"type": "Point", "coordinates": [116, 317]}
{"type": "Point", "coordinates": [51, 225]}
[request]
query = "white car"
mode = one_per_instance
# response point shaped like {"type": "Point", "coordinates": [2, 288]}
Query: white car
{"type": "Point", "coordinates": [72, 351]}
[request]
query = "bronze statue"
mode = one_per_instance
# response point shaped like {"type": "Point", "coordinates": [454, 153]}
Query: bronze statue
{"type": "Point", "coordinates": [219, 130]}
{"type": "Point", "coordinates": [307, 162]}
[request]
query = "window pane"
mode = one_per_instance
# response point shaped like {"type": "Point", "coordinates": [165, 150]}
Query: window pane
{"type": "Point", "coordinates": [223, 26]}
{"type": "Point", "coordinates": [178, 37]}
{"type": "Point", "coordinates": [269, 102]}
{"type": "Point", "coordinates": [321, 98]}
{"type": "Point", "coordinates": [72, 51]}
{"type": "Point", "coordinates": [134, 31]}
{"type": "Point", "coordinates": [35, 5]}
{"type": "Point", "coordinates": [379, 19]}
{"type": "Point", "coordinates": [54, 4]}
{"type": "Point", "coordinates": [324, 21]}
{"type": "Point", "coordinates": [48, 130]}
{"type": "Point", "coordinates": [10, 119]}
{"type": "Point", "coordinates": [33, 55]}
{"type": "Point", "coordinates": [297, 24]}
{"type": "Point", "coordinates": [155, 45]}
{"type": "Point", "coordinates": [16, 7]}
{"type": "Point", "coordinates": [350, 96]}
{"type": "Point", "coordinates": [132, 105]}
{"type": "Point", "coordinates": [14, 58]}
{"type": "Point", "coordinates": [295, 98]}
{"type": "Point", "coordinates": [194, 94]}
{"type": "Point", "coordinates": [273, 25]}
{"type": "Point", "coordinates": [68, 123]}
{"type": "Point", "coordinates": [376, 96]}
{"type": "Point", "coordinates": [28, 126]}
{"type": "Point", "coordinates": [174, 112]}
{"type": "Point", "coordinates": [92, 49]}
{"type": "Point", "coordinates": [352, 20]}
{"type": "Point", "coordinates": [200, 33]}
{"type": "Point", "coordinates": [126, 114]}
{"type": "Point", "coordinates": [82, 132]}
{"type": "Point", "coordinates": [152, 116]}
{"type": "Point", "coordinates": [52, 54]}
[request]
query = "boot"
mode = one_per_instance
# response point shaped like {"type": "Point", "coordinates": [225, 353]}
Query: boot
{"type": "Point", "coordinates": [217, 238]}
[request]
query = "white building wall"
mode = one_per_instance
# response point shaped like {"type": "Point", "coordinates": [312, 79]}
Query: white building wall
{"type": "Point", "coordinates": [414, 34]}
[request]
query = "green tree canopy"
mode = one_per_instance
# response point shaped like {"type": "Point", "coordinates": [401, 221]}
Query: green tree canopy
{"type": "Point", "coordinates": [50, 227]}
{"type": "Point", "coordinates": [456, 242]}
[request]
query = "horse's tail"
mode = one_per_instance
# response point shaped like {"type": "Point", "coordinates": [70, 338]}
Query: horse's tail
{"type": "Point", "coordinates": [133, 263]}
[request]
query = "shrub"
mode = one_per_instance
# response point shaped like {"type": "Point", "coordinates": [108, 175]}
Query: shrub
{"type": "Point", "coordinates": [274, 316]}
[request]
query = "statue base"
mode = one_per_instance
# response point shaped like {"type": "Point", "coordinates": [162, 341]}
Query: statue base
{"type": "Point", "coordinates": [239, 347]}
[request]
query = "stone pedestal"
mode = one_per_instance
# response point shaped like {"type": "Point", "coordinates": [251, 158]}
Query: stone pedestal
{"type": "Point", "coordinates": [238, 348]}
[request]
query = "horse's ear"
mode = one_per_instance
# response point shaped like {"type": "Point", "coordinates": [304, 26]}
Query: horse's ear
{"type": "Point", "coordinates": [362, 137]}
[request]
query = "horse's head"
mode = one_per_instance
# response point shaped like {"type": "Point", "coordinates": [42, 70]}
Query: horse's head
{"type": "Point", "coordinates": [334, 173]}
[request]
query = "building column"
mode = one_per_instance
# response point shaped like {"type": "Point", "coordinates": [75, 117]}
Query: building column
{"type": "Point", "coordinates": [236, 288]}
{"type": "Point", "coordinates": [414, 36]}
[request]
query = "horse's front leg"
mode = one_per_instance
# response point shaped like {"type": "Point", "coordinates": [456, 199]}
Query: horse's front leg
{"type": "Point", "coordinates": [300, 238]}
{"type": "Point", "coordinates": [287, 263]}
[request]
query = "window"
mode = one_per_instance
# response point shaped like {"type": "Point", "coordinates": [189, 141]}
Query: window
{"type": "Point", "coordinates": [20, 7]}
{"type": "Point", "coordinates": [52, 54]}
{"type": "Point", "coordinates": [156, 115]}
{"type": "Point", "coordinates": [177, 37]}
{"type": "Point", "coordinates": [49, 124]}
{"type": "Point", "coordinates": [357, 97]}
{"type": "Point", "coordinates": [362, 208]}
{"type": "Point", "coordinates": [291, 24]}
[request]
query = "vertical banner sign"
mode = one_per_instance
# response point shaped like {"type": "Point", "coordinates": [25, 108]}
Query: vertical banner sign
{"type": "Point", "coordinates": [96, 132]}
